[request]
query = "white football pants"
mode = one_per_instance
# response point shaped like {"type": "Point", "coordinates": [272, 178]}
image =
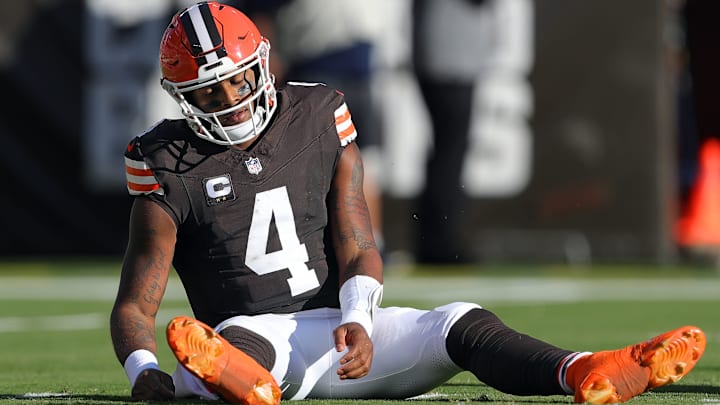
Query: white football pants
{"type": "Point", "coordinates": [409, 354]}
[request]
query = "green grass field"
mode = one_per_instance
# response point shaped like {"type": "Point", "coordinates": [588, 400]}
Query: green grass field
{"type": "Point", "coordinates": [55, 346]}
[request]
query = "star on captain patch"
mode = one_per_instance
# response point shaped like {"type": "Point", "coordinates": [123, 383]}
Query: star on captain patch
{"type": "Point", "coordinates": [253, 165]}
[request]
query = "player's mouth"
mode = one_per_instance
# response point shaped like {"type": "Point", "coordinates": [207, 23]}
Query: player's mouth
{"type": "Point", "coordinates": [235, 117]}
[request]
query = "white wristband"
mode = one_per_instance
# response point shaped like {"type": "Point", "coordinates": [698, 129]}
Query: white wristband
{"type": "Point", "coordinates": [359, 297]}
{"type": "Point", "coordinates": [137, 362]}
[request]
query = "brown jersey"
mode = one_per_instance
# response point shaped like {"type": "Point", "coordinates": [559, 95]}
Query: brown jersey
{"type": "Point", "coordinates": [250, 223]}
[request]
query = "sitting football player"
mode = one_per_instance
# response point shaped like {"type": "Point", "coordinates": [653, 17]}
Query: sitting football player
{"type": "Point", "coordinates": [255, 198]}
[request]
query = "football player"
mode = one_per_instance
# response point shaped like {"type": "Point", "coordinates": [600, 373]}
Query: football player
{"type": "Point", "coordinates": [255, 199]}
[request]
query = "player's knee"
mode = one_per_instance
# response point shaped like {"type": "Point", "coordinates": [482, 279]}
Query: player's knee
{"type": "Point", "coordinates": [253, 344]}
{"type": "Point", "coordinates": [456, 310]}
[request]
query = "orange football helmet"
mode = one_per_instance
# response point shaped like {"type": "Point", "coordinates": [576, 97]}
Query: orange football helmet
{"type": "Point", "coordinates": [208, 43]}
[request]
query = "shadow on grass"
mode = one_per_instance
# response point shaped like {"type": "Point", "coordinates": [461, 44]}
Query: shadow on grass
{"type": "Point", "coordinates": [60, 397]}
{"type": "Point", "coordinates": [97, 399]}
{"type": "Point", "coordinates": [90, 399]}
{"type": "Point", "coordinates": [689, 389]}
{"type": "Point", "coordinates": [502, 398]}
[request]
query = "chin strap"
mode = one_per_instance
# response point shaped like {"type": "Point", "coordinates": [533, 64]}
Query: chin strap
{"type": "Point", "coordinates": [243, 131]}
{"type": "Point", "coordinates": [359, 298]}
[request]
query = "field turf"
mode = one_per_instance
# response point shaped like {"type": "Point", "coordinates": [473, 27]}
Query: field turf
{"type": "Point", "coordinates": [55, 346]}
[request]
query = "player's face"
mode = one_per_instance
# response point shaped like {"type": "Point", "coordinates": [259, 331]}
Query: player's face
{"type": "Point", "coordinates": [225, 94]}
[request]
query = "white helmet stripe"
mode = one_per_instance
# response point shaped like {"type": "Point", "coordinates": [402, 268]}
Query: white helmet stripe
{"type": "Point", "coordinates": [203, 36]}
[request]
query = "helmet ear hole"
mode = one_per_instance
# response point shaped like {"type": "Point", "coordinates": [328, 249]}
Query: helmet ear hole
{"type": "Point", "coordinates": [190, 98]}
{"type": "Point", "coordinates": [258, 77]}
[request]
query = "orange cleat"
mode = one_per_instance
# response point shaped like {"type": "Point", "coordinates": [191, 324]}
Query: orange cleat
{"type": "Point", "coordinates": [226, 370]}
{"type": "Point", "coordinates": [618, 375]}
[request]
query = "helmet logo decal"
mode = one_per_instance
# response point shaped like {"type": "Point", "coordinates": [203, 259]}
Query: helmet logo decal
{"type": "Point", "coordinates": [202, 34]}
{"type": "Point", "coordinates": [218, 189]}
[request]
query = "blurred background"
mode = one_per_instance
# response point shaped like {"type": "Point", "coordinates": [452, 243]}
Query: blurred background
{"type": "Point", "coordinates": [582, 141]}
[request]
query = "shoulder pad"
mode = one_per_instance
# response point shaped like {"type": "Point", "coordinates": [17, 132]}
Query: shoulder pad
{"type": "Point", "coordinates": [326, 100]}
{"type": "Point", "coordinates": [305, 84]}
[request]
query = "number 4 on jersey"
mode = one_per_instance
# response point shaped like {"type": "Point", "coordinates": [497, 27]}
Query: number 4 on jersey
{"type": "Point", "coordinates": [293, 255]}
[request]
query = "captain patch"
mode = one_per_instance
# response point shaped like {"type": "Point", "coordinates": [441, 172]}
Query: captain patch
{"type": "Point", "coordinates": [218, 189]}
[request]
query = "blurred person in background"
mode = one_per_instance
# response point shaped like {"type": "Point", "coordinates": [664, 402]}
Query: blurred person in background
{"type": "Point", "coordinates": [446, 70]}
{"type": "Point", "coordinates": [255, 198]}
{"type": "Point", "coordinates": [470, 59]}
{"type": "Point", "coordinates": [332, 42]}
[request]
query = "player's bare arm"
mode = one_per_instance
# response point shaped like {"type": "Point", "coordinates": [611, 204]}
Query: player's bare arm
{"type": "Point", "coordinates": [357, 255]}
{"type": "Point", "coordinates": [143, 280]}
{"type": "Point", "coordinates": [144, 276]}
{"type": "Point", "coordinates": [353, 239]}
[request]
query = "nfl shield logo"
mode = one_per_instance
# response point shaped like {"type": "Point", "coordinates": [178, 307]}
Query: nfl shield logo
{"type": "Point", "coordinates": [253, 165]}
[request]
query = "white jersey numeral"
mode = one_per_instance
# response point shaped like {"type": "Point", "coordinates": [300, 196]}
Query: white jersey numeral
{"type": "Point", "coordinates": [293, 255]}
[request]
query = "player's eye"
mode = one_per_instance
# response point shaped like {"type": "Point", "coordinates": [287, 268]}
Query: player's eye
{"type": "Point", "coordinates": [244, 89]}
{"type": "Point", "coordinates": [210, 90]}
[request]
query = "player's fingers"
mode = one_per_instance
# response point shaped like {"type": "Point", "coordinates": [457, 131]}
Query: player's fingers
{"type": "Point", "coordinates": [351, 356]}
{"type": "Point", "coordinates": [357, 361]}
{"type": "Point", "coordinates": [357, 367]}
{"type": "Point", "coordinates": [340, 334]}
{"type": "Point", "coordinates": [362, 352]}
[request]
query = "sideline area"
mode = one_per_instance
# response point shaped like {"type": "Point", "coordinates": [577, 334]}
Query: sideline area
{"type": "Point", "coordinates": [401, 287]}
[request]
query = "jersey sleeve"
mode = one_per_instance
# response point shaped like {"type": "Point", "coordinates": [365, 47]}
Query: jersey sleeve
{"type": "Point", "coordinates": [140, 177]}
{"type": "Point", "coordinates": [343, 123]}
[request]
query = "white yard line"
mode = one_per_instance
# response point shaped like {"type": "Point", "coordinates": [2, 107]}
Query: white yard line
{"type": "Point", "coordinates": [72, 288]}
{"type": "Point", "coordinates": [42, 395]}
{"type": "Point", "coordinates": [481, 290]}
{"type": "Point", "coordinates": [52, 323]}
{"type": "Point", "coordinates": [89, 321]}
{"type": "Point", "coordinates": [542, 289]}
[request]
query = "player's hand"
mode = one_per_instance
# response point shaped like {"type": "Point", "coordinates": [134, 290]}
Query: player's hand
{"type": "Point", "coordinates": [153, 385]}
{"type": "Point", "coordinates": [358, 359]}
